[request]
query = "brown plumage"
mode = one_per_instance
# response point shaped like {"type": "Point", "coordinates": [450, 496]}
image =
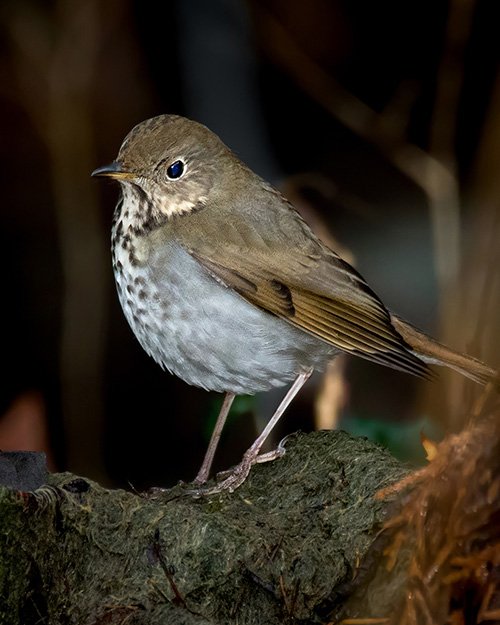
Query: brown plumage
{"type": "Point", "coordinates": [226, 286]}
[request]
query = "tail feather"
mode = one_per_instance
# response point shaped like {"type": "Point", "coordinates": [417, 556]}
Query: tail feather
{"type": "Point", "coordinates": [433, 352]}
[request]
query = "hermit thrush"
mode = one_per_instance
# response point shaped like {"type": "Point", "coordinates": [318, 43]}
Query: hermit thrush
{"type": "Point", "coordinates": [226, 286]}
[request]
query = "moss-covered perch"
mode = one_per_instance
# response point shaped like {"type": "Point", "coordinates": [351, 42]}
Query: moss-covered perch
{"type": "Point", "coordinates": [299, 542]}
{"type": "Point", "coordinates": [282, 546]}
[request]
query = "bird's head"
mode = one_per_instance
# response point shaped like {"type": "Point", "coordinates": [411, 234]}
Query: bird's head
{"type": "Point", "coordinates": [176, 165]}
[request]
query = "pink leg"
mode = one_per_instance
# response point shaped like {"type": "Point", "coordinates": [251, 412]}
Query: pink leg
{"type": "Point", "coordinates": [251, 457]}
{"type": "Point", "coordinates": [204, 471]}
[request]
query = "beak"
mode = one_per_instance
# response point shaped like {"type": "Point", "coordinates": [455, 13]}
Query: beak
{"type": "Point", "coordinates": [113, 170]}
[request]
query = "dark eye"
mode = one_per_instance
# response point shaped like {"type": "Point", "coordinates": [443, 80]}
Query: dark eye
{"type": "Point", "coordinates": [175, 170]}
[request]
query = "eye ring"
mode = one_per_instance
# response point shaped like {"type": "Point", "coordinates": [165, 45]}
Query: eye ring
{"type": "Point", "coordinates": [175, 170]}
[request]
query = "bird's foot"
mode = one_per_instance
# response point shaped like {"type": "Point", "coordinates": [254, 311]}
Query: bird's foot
{"type": "Point", "coordinates": [231, 479]}
{"type": "Point", "coordinates": [154, 492]}
{"type": "Point", "coordinates": [274, 454]}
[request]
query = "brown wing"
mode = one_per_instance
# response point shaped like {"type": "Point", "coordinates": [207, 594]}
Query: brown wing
{"type": "Point", "coordinates": [277, 264]}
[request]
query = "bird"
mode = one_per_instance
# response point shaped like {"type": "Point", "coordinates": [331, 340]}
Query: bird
{"type": "Point", "coordinates": [227, 287]}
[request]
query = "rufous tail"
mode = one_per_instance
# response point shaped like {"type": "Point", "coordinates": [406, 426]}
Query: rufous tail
{"type": "Point", "coordinates": [434, 352]}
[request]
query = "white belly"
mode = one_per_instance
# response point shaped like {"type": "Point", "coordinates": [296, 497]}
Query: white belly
{"type": "Point", "coordinates": [205, 333]}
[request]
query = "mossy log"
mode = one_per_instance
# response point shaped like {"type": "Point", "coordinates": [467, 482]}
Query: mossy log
{"type": "Point", "coordinates": [287, 546]}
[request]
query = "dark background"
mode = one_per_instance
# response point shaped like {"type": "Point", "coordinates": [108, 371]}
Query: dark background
{"type": "Point", "coordinates": [381, 121]}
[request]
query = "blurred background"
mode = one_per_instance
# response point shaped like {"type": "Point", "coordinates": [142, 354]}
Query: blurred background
{"type": "Point", "coordinates": [380, 121]}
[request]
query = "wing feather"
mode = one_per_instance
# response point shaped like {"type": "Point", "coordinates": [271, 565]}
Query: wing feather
{"type": "Point", "coordinates": [287, 272]}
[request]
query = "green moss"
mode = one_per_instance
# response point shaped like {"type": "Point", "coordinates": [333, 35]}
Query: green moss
{"type": "Point", "coordinates": [280, 543]}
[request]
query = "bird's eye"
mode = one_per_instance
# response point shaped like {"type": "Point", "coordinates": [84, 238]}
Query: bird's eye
{"type": "Point", "coordinates": [175, 170]}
